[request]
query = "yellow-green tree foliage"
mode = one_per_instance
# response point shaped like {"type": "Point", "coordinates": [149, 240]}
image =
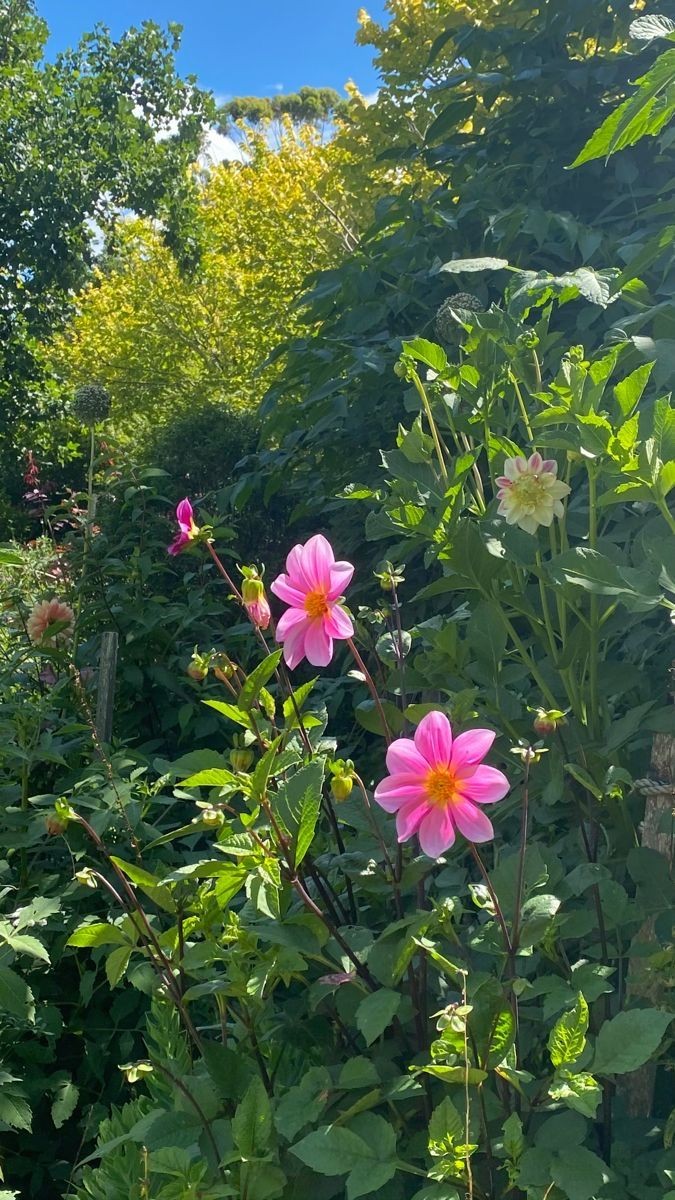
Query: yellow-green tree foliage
{"type": "Point", "coordinates": [163, 341]}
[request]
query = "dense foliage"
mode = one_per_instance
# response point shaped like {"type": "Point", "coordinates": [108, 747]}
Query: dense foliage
{"type": "Point", "coordinates": [370, 889]}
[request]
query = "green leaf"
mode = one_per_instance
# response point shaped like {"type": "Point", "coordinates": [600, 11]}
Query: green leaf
{"type": "Point", "coordinates": [568, 1036]}
{"type": "Point", "coordinates": [458, 266]}
{"type": "Point", "coordinates": [580, 1175]}
{"type": "Point", "coordinates": [629, 391]}
{"type": "Point", "coordinates": [369, 1177]}
{"type": "Point", "coordinates": [231, 711]}
{"type": "Point", "coordinates": [592, 571]}
{"type": "Point", "coordinates": [437, 1191]}
{"type": "Point", "coordinates": [310, 808]}
{"type": "Point", "coordinates": [116, 964]}
{"type": "Point", "coordinates": [429, 353]}
{"type": "Point", "coordinates": [376, 1012]}
{"type": "Point", "coordinates": [582, 1093]}
{"type": "Point", "coordinates": [446, 1123]}
{"type": "Point", "coordinates": [643, 114]}
{"type": "Point", "coordinates": [257, 680]}
{"type": "Point", "coordinates": [149, 884]}
{"type": "Point", "coordinates": [98, 933]}
{"type": "Point", "coordinates": [651, 26]}
{"type": "Point", "coordinates": [358, 1072]}
{"type": "Point", "coordinates": [629, 1040]}
{"type": "Point", "coordinates": [332, 1150]}
{"type": "Point", "coordinates": [252, 1122]}
{"type": "Point", "coordinates": [14, 1110]}
{"type": "Point", "coordinates": [15, 995]}
{"type": "Point", "coordinates": [25, 943]}
{"type": "Point", "coordinates": [212, 777]}
{"type": "Point", "coordinates": [512, 1139]}
{"type": "Point", "coordinates": [10, 558]}
{"type": "Point", "coordinates": [291, 794]}
{"type": "Point", "coordinates": [302, 1105]}
{"type": "Point", "coordinates": [65, 1103]}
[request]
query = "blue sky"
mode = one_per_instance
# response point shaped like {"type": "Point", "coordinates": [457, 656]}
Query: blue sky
{"type": "Point", "coordinates": [240, 47]}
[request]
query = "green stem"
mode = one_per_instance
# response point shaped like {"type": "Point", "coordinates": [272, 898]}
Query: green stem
{"type": "Point", "coordinates": [527, 658]}
{"type": "Point", "coordinates": [421, 391]}
{"type": "Point", "coordinates": [523, 409]}
{"type": "Point", "coordinates": [594, 631]}
{"type": "Point", "coordinates": [546, 611]}
{"type": "Point", "coordinates": [371, 688]}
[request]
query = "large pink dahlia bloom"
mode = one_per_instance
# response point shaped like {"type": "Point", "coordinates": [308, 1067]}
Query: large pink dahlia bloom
{"type": "Point", "coordinates": [313, 585]}
{"type": "Point", "coordinates": [50, 612]}
{"type": "Point", "coordinates": [437, 783]}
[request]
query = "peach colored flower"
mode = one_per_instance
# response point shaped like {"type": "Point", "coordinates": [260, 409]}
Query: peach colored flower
{"type": "Point", "coordinates": [530, 492]}
{"type": "Point", "coordinates": [49, 612]}
{"type": "Point", "coordinates": [436, 784]}
{"type": "Point", "coordinates": [313, 586]}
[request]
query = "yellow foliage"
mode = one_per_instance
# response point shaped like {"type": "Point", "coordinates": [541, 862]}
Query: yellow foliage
{"type": "Point", "coordinates": [161, 340]}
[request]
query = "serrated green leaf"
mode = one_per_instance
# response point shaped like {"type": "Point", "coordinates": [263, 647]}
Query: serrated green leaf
{"type": "Point", "coordinates": [116, 964]}
{"type": "Point", "coordinates": [65, 1102]}
{"type": "Point", "coordinates": [15, 995]}
{"type": "Point", "coordinates": [257, 680]}
{"type": "Point", "coordinates": [98, 933]}
{"type": "Point", "coordinates": [332, 1150]}
{"type": "Point", "coordinates": [252, 1122]}
{"type": "Point", "coordinates": [629, 1040]}
{"type": "Point", "coordinates": [14, 1110]}
{"type": "Point", "coordinates": [376, 1012]}
{"type": "Point", "coordinates": [568, 1036]}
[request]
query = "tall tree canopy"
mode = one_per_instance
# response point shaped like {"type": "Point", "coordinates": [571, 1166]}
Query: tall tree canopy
{"type": "Point", "coordinates": [106, 127]}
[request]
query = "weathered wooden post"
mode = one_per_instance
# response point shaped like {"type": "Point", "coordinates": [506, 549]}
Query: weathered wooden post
{"type": "Point", "coordinates": [105, 699]}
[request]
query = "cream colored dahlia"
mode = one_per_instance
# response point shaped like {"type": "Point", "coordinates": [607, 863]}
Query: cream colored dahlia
{"type": "Point", "coordinates": [47, 613]}
{"type": "Point", "coordinates": [530, 492]}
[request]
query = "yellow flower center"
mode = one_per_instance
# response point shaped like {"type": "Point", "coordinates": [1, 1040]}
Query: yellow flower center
{"type": "Point", "coordinates": [316, 603]}
{"type": "Point", "coordinates": [529, 491]}
{"type": "Point", "coordinates": [441, 786]}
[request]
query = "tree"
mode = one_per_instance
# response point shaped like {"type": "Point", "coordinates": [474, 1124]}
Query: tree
{"type": "Point", "coordinates": [162, 340]}
{"type": "Point", "coordinates": [107, 127]}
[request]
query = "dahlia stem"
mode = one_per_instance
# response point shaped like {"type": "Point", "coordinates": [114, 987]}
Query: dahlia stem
{"type": "Point", "coordinates": [493, 896]}
{"type": "Point", "coordinates": [421, 391]}
{"type": "Point", "coordinates": [520, 880]}
{"type": "Point", "coordinates": [371, 688]}
{"type": "Point", "coordinates": [523, 409]}
{"type": "Point", "coordinates": [592, 718]}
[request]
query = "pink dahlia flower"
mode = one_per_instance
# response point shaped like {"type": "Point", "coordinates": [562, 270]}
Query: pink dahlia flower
{"type": "Point", "coordinates": [530, 492]}
{"type": "Point", "coordinates": [187, 529]}
{"type": "Point", "coordinates": [50, 612]}
{"type": "Point", "coordinates": [437, 784]}
{"type": "Point", "coordinates": [313, 587]}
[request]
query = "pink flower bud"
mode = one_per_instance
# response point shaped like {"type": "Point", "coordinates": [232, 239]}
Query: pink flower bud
{"type": "Point", "coordinates": [255, 602]}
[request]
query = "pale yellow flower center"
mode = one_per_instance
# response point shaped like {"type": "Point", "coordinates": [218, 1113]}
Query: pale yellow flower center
{"type": "Point", "coordinates": [529, 491]}
{"type": "Point", "coordinates": [316, 603]}
{"type": "Point", "coordinates": [441, 786]}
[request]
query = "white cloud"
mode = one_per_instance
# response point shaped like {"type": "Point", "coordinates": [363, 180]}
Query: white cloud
{"type": "Point", "coordinates": [218, 147]}
{"type": "Point", "coordinates": [370, 98]}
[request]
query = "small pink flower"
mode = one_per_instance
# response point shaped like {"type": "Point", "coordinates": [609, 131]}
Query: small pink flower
{"type": "Point", "coordinates": [436, 784]}
{"type": "Point", "coordinates": [313, 586]}
{"type": "Point", "coordinates": [49, 612]}
{"type": "Point", "coordinates": [187, 529]}
{"type": "Point", "coordinates": [255, 602]}
{"type": "Point", "coordinates": [530, 492]}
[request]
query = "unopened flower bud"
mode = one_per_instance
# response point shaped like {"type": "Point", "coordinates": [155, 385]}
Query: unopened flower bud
{"type": "Point", "coordinates": [196, 671]}
{"type": "Point", "coordinates": [86, 878]}
{"type": "Point", "coordinates": [241, 758]}
{"type": "Point", "coordinates": [223, 667]}
{"type": "Point", "coordinates": [341, 787]}
{"type": "Point", "coordinates": [212, 817]}
{"type": "Point", "coordinates": [53, 826]}
{"type": "Point", "coordinates": [547, 721]}
{"type": "Point", "coordinates": [255, 602]}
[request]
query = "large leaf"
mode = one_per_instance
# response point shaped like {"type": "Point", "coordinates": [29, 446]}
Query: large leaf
{"type": "Point", "coordinates": [643, 114]}
{"type": "Point", "coordinates": [376, 1012]}
{"type": "Point", "coordinates": [65, 1102]}
{"type": "Point", "coordinates": [629, 1040]}
{"type": "Point", "coordinates": [257, 680]}
{"type": "Point", "coordinates": [252, 1122]}
{"type": "Point", "coordinates": [15, 995]}
{"type": "Point", "coordinates": [460, 266]}
{"type": "Point", "coordinates": [568, 1036]}
{"type": "Point", "coordinates": [580, 1175]}
{"type": "Point", "coordinates": [14, 1110]}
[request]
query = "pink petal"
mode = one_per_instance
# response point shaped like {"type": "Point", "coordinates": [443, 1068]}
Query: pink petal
{"type": "Point", "coordinates": [486, 785]}
{"type": "Point", "coordinates": [340, 579]}
{"type": "Point", "coordinates": [337, 623]}
{"type": "Point", "coordinates": [513, 467]}
{"type": "Point", "coordinates": [403, 758]}
{"type": "Point", "coordinates": [290, 620]}
{"type": "Point", "coordinates": [318, 644]}
{"type": "Point", "coordinates": [437, 832]}
{"type": "Point", "coordinates": [550, 465]}
{"type": "Point", "coordinates": [471, 747]}
{"type": "Point", "coordinates": [535, 463]}
{"type": "Point", "coordinates": [294, 645]}
{"type": "Point", "coordinates": [397, 790]}
{"type": "Point", "coordinates": [317, 560]}
{"type": "Point", "coordinates": [409, 818]}
{"type": "Point", "coordinates": [296, 576]}
{"type": "Point", "coordinates": [433, 739]}
{"type": "Point", "coordinates": [184, 514]}
{"type": "Point", "coordinates": [471, 821]}
{"type": "Point", "coordinates": [180, 540]}
{"type": "Point", "coordinates": [287, 591]}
